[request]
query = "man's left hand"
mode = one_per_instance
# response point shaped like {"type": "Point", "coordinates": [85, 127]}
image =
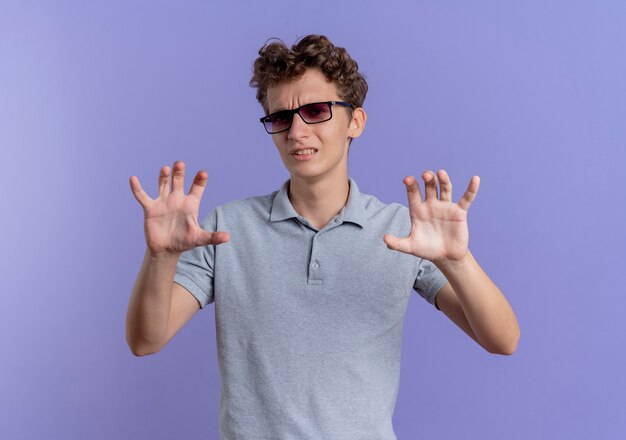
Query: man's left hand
{"type": "Point", "coordinates": [439, 231]}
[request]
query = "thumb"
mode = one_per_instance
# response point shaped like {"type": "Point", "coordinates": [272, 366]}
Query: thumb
{"type": "Point", "coordinates": [397, 244]}
{"type": "Point", "coordinates": [217, 237]}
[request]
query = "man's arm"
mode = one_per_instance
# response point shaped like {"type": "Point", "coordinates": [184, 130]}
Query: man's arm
{"type": "Point", "coordinates": [449, 304]}
{"type": "Point", "coordinates": [475, 304]}
{"type": "Point", "coordinates": [158, 308]}
{"type": "Point", "coordinates": [439, 233]}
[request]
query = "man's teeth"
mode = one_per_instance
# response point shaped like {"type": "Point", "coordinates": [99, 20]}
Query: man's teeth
{"type": "Point", "coordinates": [308, 151]}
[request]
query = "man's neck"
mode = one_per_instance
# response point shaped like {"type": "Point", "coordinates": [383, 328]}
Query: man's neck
{"type": "Point", "coordinates": [319, 201]}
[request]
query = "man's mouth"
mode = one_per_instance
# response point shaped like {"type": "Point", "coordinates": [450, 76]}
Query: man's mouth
{"type": "Point", "coordinates": [308, 151]}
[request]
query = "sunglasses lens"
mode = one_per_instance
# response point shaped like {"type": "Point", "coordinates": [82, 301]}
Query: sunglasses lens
{"type": "Point", "coordinates": [277, 122]}
{"type": "Point", "coordinates": [316, 112]}
{"type": "Point", "coordinates": [311, 113]}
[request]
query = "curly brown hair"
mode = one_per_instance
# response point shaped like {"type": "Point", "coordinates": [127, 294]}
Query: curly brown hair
{"type": "Point", "coordinates": [277, 63]}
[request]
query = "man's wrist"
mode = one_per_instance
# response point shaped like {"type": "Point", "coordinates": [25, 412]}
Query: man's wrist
{"type": "Point", "coordinates": [449, 265]}
{"type": "Point", "coordinates": [162, 256]}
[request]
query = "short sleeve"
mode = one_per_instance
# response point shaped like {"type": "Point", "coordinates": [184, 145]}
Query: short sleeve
{"type": "Point", "coordinates": [429, 280]}
{"type": "Point", "coordinates": [194, 270]}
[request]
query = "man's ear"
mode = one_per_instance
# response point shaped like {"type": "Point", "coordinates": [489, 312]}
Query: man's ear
{"type": "Point", "coordinates": [357, 125]}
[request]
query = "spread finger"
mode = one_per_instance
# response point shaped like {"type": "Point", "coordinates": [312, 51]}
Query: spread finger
{"type": "Point", "coordinates": [199, 184]}
{"type": "Point", "coordinates": [413, 190]}
{"type": "Point", "coordinates": [430, 182]}
{"type": "Point", "coordinates": [470, 193]}
{"type": "Point", "coordinates": [164, 181]}
{"type": "Point", "coordinates": [141, 196]}
{"type": "Point", "coordinates": [178, 176]}
{"type": "Point", "coordinates": [445, 186]}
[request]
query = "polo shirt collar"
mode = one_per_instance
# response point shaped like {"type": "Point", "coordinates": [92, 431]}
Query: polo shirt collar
{"type": "Point", "coordinates": [353, 211]}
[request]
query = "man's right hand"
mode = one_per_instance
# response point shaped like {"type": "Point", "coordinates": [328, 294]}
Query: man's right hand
{"type": "Point", "coordinates": [171, 220]}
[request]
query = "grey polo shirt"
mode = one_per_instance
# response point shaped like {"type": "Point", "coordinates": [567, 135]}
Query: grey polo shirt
{"type": "Point", "coordinates": [308, 321]}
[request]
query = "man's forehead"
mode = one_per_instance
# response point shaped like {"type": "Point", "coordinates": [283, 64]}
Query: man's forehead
{"type": "Point", "coordinates": [311, 87]}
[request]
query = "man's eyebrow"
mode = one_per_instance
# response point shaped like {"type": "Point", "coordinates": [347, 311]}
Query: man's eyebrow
{"type": "Point", "coordinates": [283, 108]}
{"type": "Point", "coordinates": [279, 109]}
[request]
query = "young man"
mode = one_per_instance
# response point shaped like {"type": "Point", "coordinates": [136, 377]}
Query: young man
{"type": "Point", "coordinates": [311, 282]}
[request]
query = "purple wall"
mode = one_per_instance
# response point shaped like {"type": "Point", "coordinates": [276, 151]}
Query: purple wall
{"type": "Point", "coordinates": [531, 97]}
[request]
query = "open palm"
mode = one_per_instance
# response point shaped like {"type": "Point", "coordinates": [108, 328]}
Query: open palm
{"type": "Point", "coordinates": [171, 220]}
{"type": "Point", "coordinates": [439, 229]}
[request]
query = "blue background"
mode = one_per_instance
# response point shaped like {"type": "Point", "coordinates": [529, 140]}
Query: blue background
{"type": "Point", "coordinates": [528, 95]}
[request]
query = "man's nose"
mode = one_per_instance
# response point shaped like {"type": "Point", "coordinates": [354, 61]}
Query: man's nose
{"type": "Point", "coordinates": [298, 128]}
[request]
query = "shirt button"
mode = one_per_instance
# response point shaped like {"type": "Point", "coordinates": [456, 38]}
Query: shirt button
{"type": "Point", "coordinates": [315, 265]}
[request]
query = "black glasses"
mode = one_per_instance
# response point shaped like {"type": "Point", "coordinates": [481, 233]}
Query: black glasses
{"type": "Point", "coordinates": [312, 113]}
